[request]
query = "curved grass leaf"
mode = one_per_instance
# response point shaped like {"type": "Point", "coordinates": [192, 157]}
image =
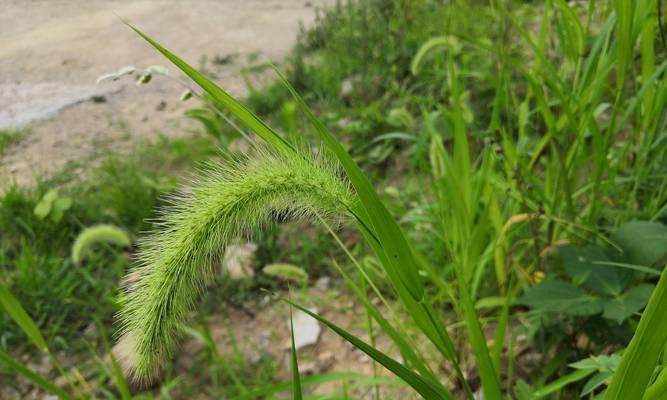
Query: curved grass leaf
{"type": "Point", "coordinates": [268, 391]}
{"type": "Point", "coordinates": [244, 115]}
{"type": "Point", "coordinates": [401, 263]}
{"type": "Point", "coordinates": [426, 388]}
{"type": "Point", "coordinates": [561, 382]}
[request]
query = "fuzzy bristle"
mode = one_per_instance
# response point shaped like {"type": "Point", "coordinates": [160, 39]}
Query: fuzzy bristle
{"type": "Point", "coordinates": [230, 199]}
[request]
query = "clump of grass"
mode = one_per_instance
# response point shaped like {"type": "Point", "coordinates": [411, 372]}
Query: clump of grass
{"type": "Point", "coordinates": [8, 137]}
{"type": "Point", "coordinates": [230, 199]}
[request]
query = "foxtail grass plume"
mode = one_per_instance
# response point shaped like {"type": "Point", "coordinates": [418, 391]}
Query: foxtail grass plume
{"type": "Point", "coordinates": [230, 199]}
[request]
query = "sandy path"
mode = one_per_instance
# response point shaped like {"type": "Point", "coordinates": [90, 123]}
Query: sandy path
{"type": "Point", "coordinates": [51, 52]}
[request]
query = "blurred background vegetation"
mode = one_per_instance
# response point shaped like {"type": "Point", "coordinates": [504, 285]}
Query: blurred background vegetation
{"type": "Point", "coordinates": [522, 140]}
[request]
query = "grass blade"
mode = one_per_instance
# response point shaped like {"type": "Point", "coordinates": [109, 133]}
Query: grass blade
{"type": "Point", "coordinates": [561, 382]}
{"type": "Point", "coordinates": [244, 115]}
{"type": "Point", "coordinates": [18, 314]}
{"type": "Point", "coordinates": [385, 227]}
{"type": "Point", "coordinates": [34, 377]}
{"type": "Point", "coordinates": [296, 379]}
{"type": "Point", "coordinates": [427, 389]}
{"type": "Point", "coordinates": [119, 377]}
{"type": "Point", "coordinates": [306, 381]}
{"type": "Point", "coordinates": [641, 356]}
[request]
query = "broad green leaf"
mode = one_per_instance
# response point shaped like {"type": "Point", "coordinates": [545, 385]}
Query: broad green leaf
{"type": "Point", "coordinates": [43, 208]}
{"type": "Point", "coordinates": [18, 314]}
{"type": "Point", "coordinates": [34, 377]}
{"type": "Point", "coordinates": [561, 297]}
{"type": "Point", "coordinates": [642, 242]}
{"type": "Point", "coordinates": [58, 208]}
{"type": "Point", "coordinates": [581, 265]}
{"type": "Point", "coordinates": [600, 363]}
{"type": "Point", "coordinates": [595, 382]}
{"type": "Point", "coordinates": [623, 306]}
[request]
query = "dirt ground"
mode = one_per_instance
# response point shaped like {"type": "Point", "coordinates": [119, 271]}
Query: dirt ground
{"type": "Point", "coordinates": [52, 52]}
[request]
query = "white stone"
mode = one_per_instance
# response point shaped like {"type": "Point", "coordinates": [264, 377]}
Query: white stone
{"type": "Point", "coordinates": [306, 329]}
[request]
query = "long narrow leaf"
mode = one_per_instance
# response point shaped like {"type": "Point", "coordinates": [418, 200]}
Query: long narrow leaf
{"type": "Point", "coordinates": [34, 377]}
{"type": "Point", "coordinates": [244, 115]}
{"type": "Point", "coordinates": [428, 390]}
{"type": "Point", "coordinates": [561, 382]}
{"type": "Point", "coordinates": [296, 379]}
{"type": "Point", "coordinates": [641, 356]}
{"type": "Point", "coordinates": [18, 314]}
{"type": "Point", "coordinates": [306, 381]}
{"type": "Point", "coordinates": [385, 227]}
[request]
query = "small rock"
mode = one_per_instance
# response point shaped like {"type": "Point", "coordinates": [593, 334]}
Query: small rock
{"type": "Point", "coordinates": [344, 122]}
{"type": "Point", "coordinates": [239, 260]}
{"type": "Point", "coordinates": [323, 283]}
{"type": "Point", "coordinates": [346, 88]}
{"type": "Point", "coordinates": [306, 329]}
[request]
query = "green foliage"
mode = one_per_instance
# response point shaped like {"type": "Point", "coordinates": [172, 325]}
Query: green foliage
{"type": "Point", "coordinates": [446, 43]}
{"type": "Point", "coordinates": [514, 138]}
{"type": "Point", "coordinates": [53, 206]}
{"type": "Point", "coordinates": [562, 297]}
{"type": "Point", "coordinates": [635, 371]}
{"type": "Point", "coordinates": [18, 314]}
{"type": "Point", "coordinates": [296, 378]}
{"type": "Point", "coordinates": [599, 277]}
{"type": "Point", "coordinates": [8, 137]}
{"type": "Point", "coordinates": [35, 251]}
